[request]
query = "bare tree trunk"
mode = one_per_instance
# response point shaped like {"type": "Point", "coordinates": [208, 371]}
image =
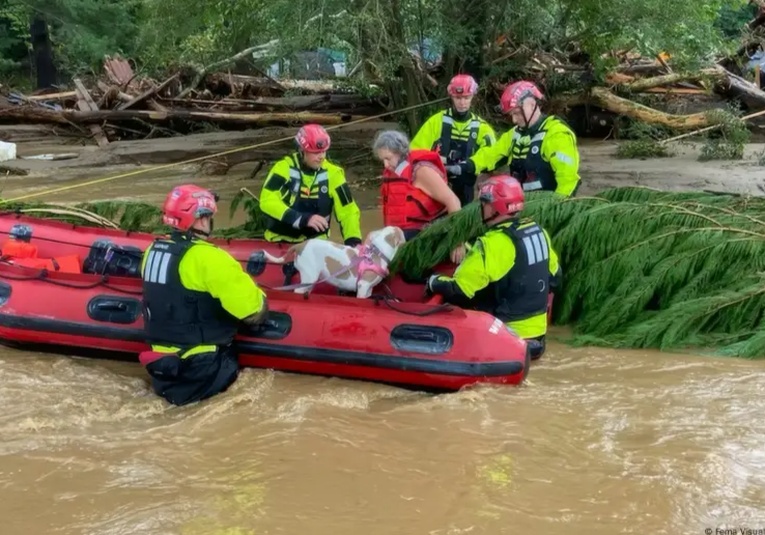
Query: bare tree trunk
{"type": "Point", "coordinates": [364, 40]}
{"type": "Point", "coordinates": [43, 53]}
{"type": "Point", "coordinates": [471, 57]}
{"type": "Point", "coordinates": [411, 78]}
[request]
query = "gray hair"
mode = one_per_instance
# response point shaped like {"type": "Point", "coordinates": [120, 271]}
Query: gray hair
{"type": "Point", "coordinates": [393, 140]}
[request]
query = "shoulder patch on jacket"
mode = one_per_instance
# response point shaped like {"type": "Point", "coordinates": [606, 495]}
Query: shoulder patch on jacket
{"type": "Point", "coordinates": [344, 194]}
{"type": "Point", "coordinates": [275, 182]}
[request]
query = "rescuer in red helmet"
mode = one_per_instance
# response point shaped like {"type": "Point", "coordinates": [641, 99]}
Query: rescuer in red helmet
{"type": "Point", "coordinates": [510, 270]}
{"type": "Point", "coordinates": [457, 133]}
{"type": "Point", "coordinates": [541, 149]}
{"type": "Point", "coordinates": [303, 190]}
{"type": "Point", "coordinates": [194, 296]}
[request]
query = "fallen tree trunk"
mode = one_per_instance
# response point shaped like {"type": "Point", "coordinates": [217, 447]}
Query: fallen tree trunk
{"type": "Point", "coordinates": [222, 63]}
{"type": "Point", "coordinates": [641, 68]}
{"type": "Point", "coordinates": [676, 91]}
{"type": "Point", "coordinates": [269, 143]}
{"type": "Point", "coordinates": [749, 93]}
{"type": "Point", "coordinates": [643, 84]}
{"type": "Point", "coordinates": [298, 103]}
{"type": "Point", "coordinates": [708, 128]}
{"type": "Point", "coordinates": [605, 99]}
{"type": "Point", "coordinates": [42, 115]}
{"type": "Point", "coordinates": [725, 82]}
{"type": "Point", "coordinates": [261, 83]}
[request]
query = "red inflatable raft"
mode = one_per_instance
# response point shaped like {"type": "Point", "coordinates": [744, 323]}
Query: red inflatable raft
{"type": "Point", "coordinates": [395, 337]}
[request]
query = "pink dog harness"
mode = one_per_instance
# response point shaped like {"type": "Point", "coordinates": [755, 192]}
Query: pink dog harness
{"type": "Point", "coordinates": [364, 262]}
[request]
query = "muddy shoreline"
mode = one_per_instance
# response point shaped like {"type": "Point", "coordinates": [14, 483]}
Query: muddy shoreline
{"type": "Point", "coordinates": [138, 160]}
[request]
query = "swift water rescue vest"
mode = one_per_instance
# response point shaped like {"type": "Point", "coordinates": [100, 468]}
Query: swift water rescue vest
{"type": "Point", "coordinates": [457, 147]}
{"type": "Point", "coordinates": [173, 314]}
{"type": "Point", "coordinates": [404, 205]}
{"type": "Point", "coordinates": [524, 291]}
{"type": "Point", "coordinates": [527, 164]}
{"type": "Point", "coordinates": [313, 199]}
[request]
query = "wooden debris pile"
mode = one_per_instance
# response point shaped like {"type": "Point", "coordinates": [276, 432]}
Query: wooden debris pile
{"type": "Point", "coordinates": [651, 91]}
{"type": "Point", "coordinates": [122, 104]}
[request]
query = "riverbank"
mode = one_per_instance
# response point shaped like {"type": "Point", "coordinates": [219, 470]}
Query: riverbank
{"type": "Point", "coordinates": [138, 160]}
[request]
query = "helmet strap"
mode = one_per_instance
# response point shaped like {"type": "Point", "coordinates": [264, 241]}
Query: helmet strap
{"type": "Point", "coordinates": [460, 115]}
{"type": "Point", "coordinates": [196, 231]}
{"type": "Point", "coordinates": [491, 217]}
{"type": "Point", "coordinates": [527, 120]}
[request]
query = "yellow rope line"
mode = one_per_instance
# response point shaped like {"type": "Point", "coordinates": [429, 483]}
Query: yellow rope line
{"type": "Point", "coordinates": [200, 158]}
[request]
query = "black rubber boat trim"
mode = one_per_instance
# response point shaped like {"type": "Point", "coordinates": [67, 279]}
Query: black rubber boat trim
{"type": "Point", "coordinates": [309, 354]}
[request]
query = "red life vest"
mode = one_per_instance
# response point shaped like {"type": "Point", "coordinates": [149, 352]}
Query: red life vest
{"type": "Point", "coordinates": [404, 205]}
{"type": "Point", "coordinates": [62, 264]}
{"type": "Point", "coordinates": [25, 254]}
{"type": "Point", "coordinates": [18, 249]}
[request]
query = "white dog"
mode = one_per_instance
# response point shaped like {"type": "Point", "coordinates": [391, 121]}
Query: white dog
{"type": "Point", "coordinates": [348, 268]}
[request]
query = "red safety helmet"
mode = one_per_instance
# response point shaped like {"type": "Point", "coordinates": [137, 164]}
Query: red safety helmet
{"type": "Point", "coordinates": [187, 203]}
{"type": "Point", "coordinates": [504, 194]}
{"type": "Point", "coordinates": [516, 93]}
{"type": "Point", "coordinates": [312, 138]}
{"type": "Point", "coordinates": [462, 84]}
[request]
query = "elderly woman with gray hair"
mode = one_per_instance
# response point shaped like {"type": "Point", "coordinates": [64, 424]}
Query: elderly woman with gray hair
{"type": "Point", "coordinates": [415, 190]}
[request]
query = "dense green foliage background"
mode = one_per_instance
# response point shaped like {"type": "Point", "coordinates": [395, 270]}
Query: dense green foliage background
{"type": "Point", "coordinates": [161, 33]}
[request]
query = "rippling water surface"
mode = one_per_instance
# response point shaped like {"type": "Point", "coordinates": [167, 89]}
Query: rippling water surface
{"type": "Point", "coordinates": [596, 442]}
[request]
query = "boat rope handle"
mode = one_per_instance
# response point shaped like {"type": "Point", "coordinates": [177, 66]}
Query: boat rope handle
{"type": "Point", "coordinates": [42, 276]}
{"type": "Point", "coordinates": [217, 154]}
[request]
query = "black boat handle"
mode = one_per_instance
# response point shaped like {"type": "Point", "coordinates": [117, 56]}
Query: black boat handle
{"type": "Point", "coordinates": [109, 306]}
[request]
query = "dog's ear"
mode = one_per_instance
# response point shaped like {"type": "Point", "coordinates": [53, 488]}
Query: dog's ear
{"type": "Point", "coordinates": [390, 238]}
{"type": "Point", "coordinates": [370, 237]}
{"type": "Point", "coordinates": [395, 237]}
{"type": "Point", "coordinates": [400, 238]}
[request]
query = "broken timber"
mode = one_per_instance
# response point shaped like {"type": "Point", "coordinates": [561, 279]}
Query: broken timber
{"type": "Point", "coordinates": [146, 94]}
{"type": "Point", "coordinates": [85, 103]}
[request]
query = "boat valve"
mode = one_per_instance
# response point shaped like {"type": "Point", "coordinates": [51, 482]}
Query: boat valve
{"type": "Point", "coordinates": [21, 233]}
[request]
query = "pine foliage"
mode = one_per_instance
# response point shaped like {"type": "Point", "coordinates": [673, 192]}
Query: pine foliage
{"type": "Point", "coordinates": [663, 270]}
{"type": "Point", "coordinates": [143, 217]}
{"type": "Point", "coordinates": [642, 268]}
{"type": "Point", "coordinates": [256, 222]}
{"type": "Point", "coordinates": [432, 246]}
{"type": "Point", "coordinates": [132, 216]}
{"type": "Point", "coordinates": [417, 257]}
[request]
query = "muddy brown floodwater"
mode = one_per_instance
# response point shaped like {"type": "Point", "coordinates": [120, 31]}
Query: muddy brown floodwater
{"type": "Point", "coordinates": [596, 442]}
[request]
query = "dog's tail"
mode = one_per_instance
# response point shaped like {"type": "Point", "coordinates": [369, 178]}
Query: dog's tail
{"type": "Point", "coordinates": [289, 256]}
{"type": "Point", "coordinates": [275, 259]}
